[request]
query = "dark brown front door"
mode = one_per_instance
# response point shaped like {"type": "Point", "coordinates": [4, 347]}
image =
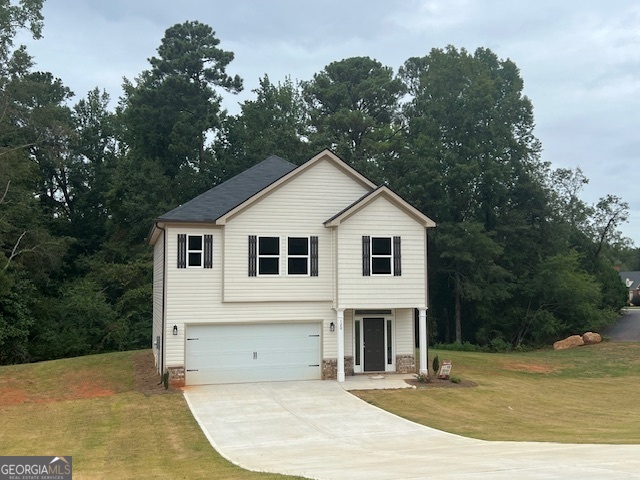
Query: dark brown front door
{"type": "Point", "coordinates": [373, 344]}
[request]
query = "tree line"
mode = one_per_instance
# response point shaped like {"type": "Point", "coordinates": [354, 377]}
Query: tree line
{"type": "Point", "coordinates": [517, 259]}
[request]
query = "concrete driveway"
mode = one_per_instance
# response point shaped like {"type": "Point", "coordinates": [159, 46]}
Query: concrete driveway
{"type": "Point", "coordinates": [627, 328]}
{"type": "Point", "coordinates": [318, 430]}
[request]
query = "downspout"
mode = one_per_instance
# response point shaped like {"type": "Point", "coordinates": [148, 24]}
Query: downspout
{"type": "Point", "coordinates": [164, 288]}
{"type": "Point", "coordinates": [426, 287]}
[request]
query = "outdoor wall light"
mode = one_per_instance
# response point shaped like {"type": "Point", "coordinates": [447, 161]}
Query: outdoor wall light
{"type": "Point", "coordinates": [175, 329]}
{"type": "Point", "coordinates": [332, 327]}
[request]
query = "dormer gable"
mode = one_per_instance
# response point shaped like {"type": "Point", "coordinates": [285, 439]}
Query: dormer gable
{"type": "Point", "coordinates": [367, 199]}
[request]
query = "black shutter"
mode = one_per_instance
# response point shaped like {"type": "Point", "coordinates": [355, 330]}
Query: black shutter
{"type": "Point", "coordinates": [366, 256]}
{"type": "Point", "coordinates": [182, 250]}
{"type": "Point", "coordinates": [314, 256]}
{"type": "Point", "coordinates": [208, 251]}
{"type": "Point", "coordinates": [253, 255]}
{"type": "Point", "coordinates": [397, 257]}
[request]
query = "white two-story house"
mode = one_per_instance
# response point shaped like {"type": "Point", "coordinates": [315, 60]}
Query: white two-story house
{"type": "Point", "coordinates": [289, 273]}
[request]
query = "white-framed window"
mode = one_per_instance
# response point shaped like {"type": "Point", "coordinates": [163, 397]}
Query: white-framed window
{"type": "Point", "coordinates": [298, 257]}
{"type": "Point", "coordinates": [268, 255]}
{"type": "Point", "coordinates": [381, 256]}
{"type": "Point", "coordinates": [195, 251]}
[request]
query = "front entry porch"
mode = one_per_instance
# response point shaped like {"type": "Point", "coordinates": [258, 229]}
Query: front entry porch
{"type": "Point", "coordinates": [376, 341]}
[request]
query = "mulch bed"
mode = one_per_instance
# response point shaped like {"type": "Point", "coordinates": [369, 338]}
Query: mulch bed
{"type": "Point", "coordinates": [146, 379]}
{"type": "Point", "coordinates": [441, 383]}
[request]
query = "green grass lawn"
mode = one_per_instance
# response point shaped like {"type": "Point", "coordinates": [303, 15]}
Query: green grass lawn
{"type": "Point", "coordinates": [90, 408]}
{"type": "Point", "coordinates": [589, 394]}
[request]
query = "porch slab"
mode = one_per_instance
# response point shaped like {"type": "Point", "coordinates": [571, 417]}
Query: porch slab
{"type": "Point", "coordinates": [377, 381]}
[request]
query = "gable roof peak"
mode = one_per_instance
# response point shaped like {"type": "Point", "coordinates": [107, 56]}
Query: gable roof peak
{"type": "Point", "coordinates": [367, 198]}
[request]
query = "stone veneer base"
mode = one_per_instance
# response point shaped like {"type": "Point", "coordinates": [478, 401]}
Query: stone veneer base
{"type": "Point", "coordinates": [330, 368]}
{"type": "Point", "coordinates": [176, 376]}
{"type": "Point", "coordinates": [405, 364]}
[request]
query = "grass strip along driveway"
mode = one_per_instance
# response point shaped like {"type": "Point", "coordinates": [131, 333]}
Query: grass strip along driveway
{"type": "Point", "coordinates": [589, 394]}
{"type": "Point", "coordinates": [114, 422]}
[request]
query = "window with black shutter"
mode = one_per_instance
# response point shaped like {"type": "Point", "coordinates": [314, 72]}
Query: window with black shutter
{"type": "Point", "coordinates": [182, 250]}
{"type": "Point", "coordinates": [381, 256]}
{"type": "Point", "coordinates": [366, 256]}
{"type": "Point", "coordinates": [314, 256]}
{"type": "Point", "coordinates": [208, 251]}
{"type": "Point", "coordinates": [253, 255]}
{"type": "Point", "coordinates": [195, 251]}
{"type": "Point", "coordinates": [397, 257]}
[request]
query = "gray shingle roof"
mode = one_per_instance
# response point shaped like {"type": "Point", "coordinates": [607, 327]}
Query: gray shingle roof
{"type": "Point", "coordinates": [633, 277]}
{"type": "Point", "coordinates": [214, 203]}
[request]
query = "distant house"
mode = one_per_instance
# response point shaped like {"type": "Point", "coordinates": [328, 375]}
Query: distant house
{"type": "Point", "coordinates": [289, 273]}
{"type": "Point", "coordinates": [631, 281]}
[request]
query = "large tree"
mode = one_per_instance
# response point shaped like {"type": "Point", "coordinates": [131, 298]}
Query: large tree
{"type": "Point", "coordinates": [470, 150]}
{"type": "Point", "coordinates": [173, 108]}
{"type": "Point", "coordinates": [353, 105]}
{"type": "Point", "coordinates": [169, 118]}
{"type": "Point", "coordinates": [28, 252]}
{"type": "Point", "coordinates": [274, 123]}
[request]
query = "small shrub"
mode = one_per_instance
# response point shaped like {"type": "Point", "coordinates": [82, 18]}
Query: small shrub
{"type": "Point", "coordinates": [455, 379]}
{"type": "Point", "coordinates": [422, 377]}
{"type": "Point", "coordinates": [500, 346]}
{"type": "Point", "coordinates": [436, 365]}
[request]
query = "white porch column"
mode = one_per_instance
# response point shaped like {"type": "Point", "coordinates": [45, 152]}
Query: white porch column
{"type": "Point", "coordinates": [340, 322]}
{"type": "Point", "coordinates": [422, 332]}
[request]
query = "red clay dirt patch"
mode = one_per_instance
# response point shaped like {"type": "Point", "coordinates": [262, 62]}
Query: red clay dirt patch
{"type": "Point", "coordinates": [12, 396]}
{"type": "Point", "coordinates": [89, 390]}
{"type": "Point", "coordinates": [26, 385]}
{"type": "Point", "coordinates": [528, 367]}
{"type": "Point", "coordinates": [73, 386]}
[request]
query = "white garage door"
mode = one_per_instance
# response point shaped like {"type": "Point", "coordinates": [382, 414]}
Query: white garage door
{"type": "Point", "coordinates": [252, 353]}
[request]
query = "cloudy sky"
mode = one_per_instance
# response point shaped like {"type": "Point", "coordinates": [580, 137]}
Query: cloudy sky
{"type": "Point", "coordinates": [580, 60]}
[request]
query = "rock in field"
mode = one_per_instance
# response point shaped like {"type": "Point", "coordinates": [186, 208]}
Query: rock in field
{"type": "Point", "coordinates": [591, 338]}
{"type": "Point", "coordinates": [569, 342]}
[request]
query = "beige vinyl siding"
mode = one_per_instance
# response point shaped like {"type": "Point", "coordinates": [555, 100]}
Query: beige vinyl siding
{"type": "Point", "coordinates": [158, 275]}
{"type": "Point", "coordinates": [405, 340]}
{"type": "Point", "coordinates": [194, 296]}
{"type": "Point", "coordinates": [381, 218]}
{"type": "Point", "coordinates": [330, 344]}
{"type": "Point", "coordinates": [329, 338]}
{"type": "Point", "coordinates": [297, 208]}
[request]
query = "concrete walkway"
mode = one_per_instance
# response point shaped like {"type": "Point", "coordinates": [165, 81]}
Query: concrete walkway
{"type": "Point", "coordinates": [318, 430]}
